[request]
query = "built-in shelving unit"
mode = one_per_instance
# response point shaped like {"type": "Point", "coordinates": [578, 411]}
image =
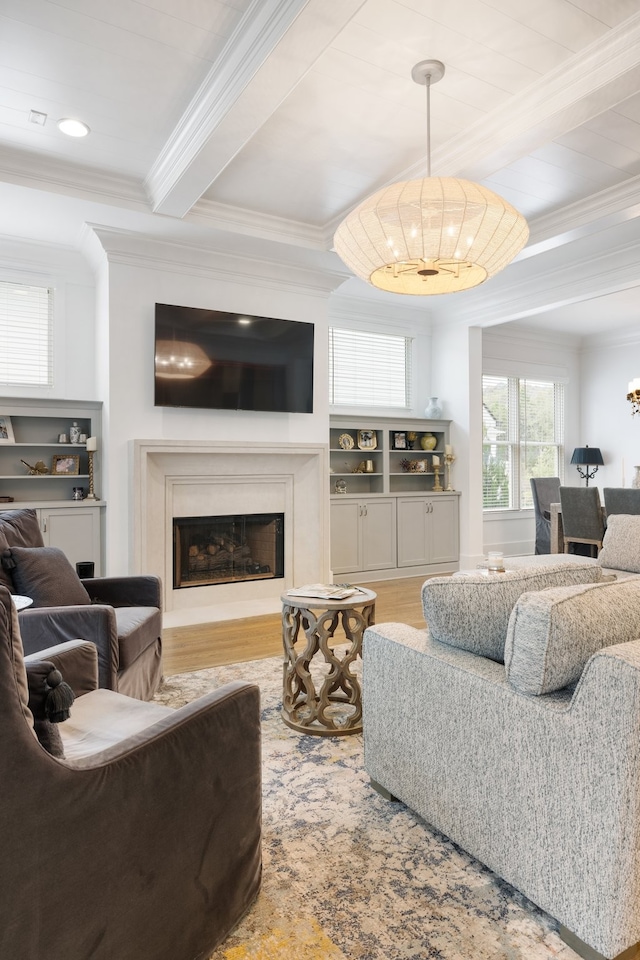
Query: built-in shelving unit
{"type": "Point", "coordinates": [34, 427]}
{"type": "Point", "coordinates": [388, 515]}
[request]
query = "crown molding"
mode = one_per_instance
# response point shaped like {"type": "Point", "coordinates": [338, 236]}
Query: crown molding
{"type": "Point", "coordinates": [176, 257]}
{"type": "Point", "coordinates": [57, 176]}
{"type": "Point", "coordinates": [265, 226]}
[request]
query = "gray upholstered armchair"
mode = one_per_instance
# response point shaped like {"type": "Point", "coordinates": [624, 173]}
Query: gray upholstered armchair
{"type": "Point", "coordinates": [120, 615]}
{"type": "Point", "coordinates": [143, 841]}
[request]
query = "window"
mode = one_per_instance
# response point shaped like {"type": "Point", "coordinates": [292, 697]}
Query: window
{"type": "Point", "coordinates": [522, 437]}
{"type": "Point", "coordinates": [26, 324]}
{"type": "Point", "coordinates": [369, 369]}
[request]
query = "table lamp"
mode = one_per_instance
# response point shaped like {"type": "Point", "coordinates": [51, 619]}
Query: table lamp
{"type": "Point", "coordinates": [587, 457]}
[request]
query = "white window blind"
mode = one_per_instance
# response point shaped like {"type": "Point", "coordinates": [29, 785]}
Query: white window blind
{"type": "Point", "coordinates": [523, 437]}
{"type": "Point", "coordinates": [369, 369]}
{"type": "Point", "coordinates": [26, 325]}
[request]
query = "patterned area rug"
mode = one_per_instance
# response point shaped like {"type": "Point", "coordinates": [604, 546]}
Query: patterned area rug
{"type": "Point", "coordinates": [350, 876]}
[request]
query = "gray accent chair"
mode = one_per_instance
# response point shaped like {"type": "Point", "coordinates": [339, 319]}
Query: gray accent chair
{"type": "Point", "coordinates": [545, 491]}
{"type": "Point", "coordinates": [621, 500]}
{"type": "Point", "coordinates": [123, 619]}
{"type": "Point", "coordinates": [535, 773]}
{"type": "Point", "coordinates": [582, 518]}
{"type": "Point", "coordinates": [144, 839]}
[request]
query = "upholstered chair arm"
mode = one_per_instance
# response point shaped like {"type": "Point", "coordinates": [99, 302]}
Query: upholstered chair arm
{"type": "Point", "coordinates": [180, 801]}
{"type": "Point", "coordinates": [136, 591]}
{"type": "Point", "coordinates": [43, 627]}
{"type": "Point", "coordinates": [77, 661]}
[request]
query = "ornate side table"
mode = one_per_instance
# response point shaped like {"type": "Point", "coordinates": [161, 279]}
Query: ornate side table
{"type": "Point", "coordinates": [323, 696]}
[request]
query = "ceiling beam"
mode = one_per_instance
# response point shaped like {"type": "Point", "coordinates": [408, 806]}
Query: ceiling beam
{"type": "Point", "coordinates": [274, 46]}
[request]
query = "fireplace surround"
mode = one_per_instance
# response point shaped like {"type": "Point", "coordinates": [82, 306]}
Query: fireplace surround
{"type": "Point", "coordinates": [188, 478]}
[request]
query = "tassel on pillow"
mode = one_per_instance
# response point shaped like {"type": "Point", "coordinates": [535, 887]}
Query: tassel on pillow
{"type": "Point", "coordinates": [59, 698]}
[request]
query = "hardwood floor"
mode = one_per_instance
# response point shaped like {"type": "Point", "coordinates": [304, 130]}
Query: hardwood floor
{"type": "Point", "coordinates": [232, 641]}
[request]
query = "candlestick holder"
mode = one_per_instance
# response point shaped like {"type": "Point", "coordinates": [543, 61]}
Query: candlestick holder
{"type": "Point", "coordinates": [437, 486]}
{"type": "Point", "coordinates": [91, 495]}
{"type": "Point", "coordinates": [449, 458]}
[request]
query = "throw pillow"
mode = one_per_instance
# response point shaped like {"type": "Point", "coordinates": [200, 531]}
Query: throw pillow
{"type": "Point", "coordinates": [45, 575]}
{"type": "Point", "coordinates": [620, 547]}
{"type": "Point", "coordinates": [553, 633]}
{"type": "Point", "coordinates": [18, 528]}
{"type": "Point", "coordinates": [471, 610]}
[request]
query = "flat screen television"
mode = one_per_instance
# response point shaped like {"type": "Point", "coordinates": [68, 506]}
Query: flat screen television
{"type": "Point", "coordinates": [232, 361]}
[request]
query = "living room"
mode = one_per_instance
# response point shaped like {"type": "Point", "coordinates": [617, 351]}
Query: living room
{"type": "Point", "coordinates": [216, 181]}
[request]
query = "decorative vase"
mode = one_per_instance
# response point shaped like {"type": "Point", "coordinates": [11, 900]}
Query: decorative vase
{"type": "Point", "coordinates": [428, 441]}
{"type": "Point", "coordinates": [635, 483]}
{"type": "Point", "coordinates": [433, 410]}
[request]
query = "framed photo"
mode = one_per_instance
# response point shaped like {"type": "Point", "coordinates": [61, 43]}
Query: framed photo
{"type": "Point", "coordinates": [6, 430]}
{"type": "Point", "coordinates": [65, 465]}
{"type": "Point", "coordinates": [400, 441]}
{"type": "Point", "coordinates": [345, 440]}
{"type": "Point", "coordinates": [367, 439]}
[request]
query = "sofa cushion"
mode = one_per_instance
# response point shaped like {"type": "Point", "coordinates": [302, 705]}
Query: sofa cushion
{"type": "Point", "coordinates": [18, 528]}
{"type": "Point", "coordinates": [45, 575]}
{"type": "Point", "coordinates": [553, 633]}
{"type": "Point", "coordinates": [138, 628]}
{"type": "Point", "coordinates": [621, 544]}
{"type": "Point", "coordinates": [471, 610]}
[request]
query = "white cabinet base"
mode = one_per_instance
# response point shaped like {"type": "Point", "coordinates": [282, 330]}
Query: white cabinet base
{"type": "Point", "coordinates": [76, 531]}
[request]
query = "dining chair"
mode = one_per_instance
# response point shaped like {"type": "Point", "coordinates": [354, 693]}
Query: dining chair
{"type": "Point", "coordinates": [582, 518]}
{"type": "Point", "coordinates": [621, 500]}
{"type": "Point", "coordinates": [545, 491]}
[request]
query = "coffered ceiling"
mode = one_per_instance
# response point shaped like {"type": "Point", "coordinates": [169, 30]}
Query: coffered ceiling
{"type": "Point", "coordinates": [258, 124]}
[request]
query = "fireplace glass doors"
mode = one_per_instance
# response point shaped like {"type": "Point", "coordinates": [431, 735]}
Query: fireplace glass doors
{"type": "Point", "coordinates": [210, 550]}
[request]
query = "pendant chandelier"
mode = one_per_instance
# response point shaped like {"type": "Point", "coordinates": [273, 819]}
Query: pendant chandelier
{"type": "Point", "coordinates": [429, 236]}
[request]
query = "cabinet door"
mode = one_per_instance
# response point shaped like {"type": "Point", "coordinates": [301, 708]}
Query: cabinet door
{"type": "Point", "coordinates": [413, 531]}
{"type": "Point", "coordinates": [75, 530]}
{"type": "Point", "coordinates": [378, 523]}
{"type": "Point", "coordinates": [427, 530]}
{"type": "Point", "coordinates": [346, 551]}
{"type": "Point", "coordinates": [444, 547]}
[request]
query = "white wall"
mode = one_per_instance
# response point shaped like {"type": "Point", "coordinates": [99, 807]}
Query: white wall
{"type": "Point", "coordinates": [607, 367]}
{"type": "Point", "coordinates": [67, 272]}
{"type": "Point", "coordinates": [517, 351]}
{"type": "Point", "coordinates": [142, 273]}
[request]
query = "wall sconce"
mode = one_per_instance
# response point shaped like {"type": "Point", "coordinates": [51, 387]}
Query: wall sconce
{"type": "Point", "coordinates": [634, 395]}
{"type": "Point", "coordinates": [587, 457]}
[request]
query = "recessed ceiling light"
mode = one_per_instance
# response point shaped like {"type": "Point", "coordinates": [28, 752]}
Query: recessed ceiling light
{"type": "Point", "coordinates": [73, 128]}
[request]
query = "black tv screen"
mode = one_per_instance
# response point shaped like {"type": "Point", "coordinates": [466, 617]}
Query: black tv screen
{"type": "Point", "coordinates": [232, 361]}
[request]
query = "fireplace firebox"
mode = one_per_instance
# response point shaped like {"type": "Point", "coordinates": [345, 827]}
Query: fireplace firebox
{"type": "Point", "coordinates": [210, 550]}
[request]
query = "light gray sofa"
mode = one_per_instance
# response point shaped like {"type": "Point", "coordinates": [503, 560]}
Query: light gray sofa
{"type": "Point", "coordinates": [532, 765]}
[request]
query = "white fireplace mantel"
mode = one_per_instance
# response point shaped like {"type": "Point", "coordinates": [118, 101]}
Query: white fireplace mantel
{"type": "Point", "coordinates": [174, 478]}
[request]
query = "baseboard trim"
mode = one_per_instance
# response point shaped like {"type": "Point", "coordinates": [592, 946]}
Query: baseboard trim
{"type": "Point", "coordinates": [588, 953]}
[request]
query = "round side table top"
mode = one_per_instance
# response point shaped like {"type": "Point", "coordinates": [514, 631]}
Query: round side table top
{"type": "Point", "coordinates": [357, 599]}
{"type": "Point", "coordinates": [21, 602]}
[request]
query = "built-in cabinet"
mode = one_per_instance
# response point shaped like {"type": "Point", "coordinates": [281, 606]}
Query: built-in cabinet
{"type": "Point", "coordinates": [391, 513]}
{"type": "Point", "coordinates": [33, 428]}
{"type": "Point", "coordinates": [363, 534]}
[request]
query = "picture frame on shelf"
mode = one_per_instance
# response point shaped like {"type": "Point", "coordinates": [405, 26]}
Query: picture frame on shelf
{"type": "Point", "coordinates": [367, 439]}
{"type": "Point", "coordinates": [6, 429]}
{"type": "Point", "coordinates": [346, 441]}
{"type": "Point", "coordinates": [63, 465]}
{"type": "Point", "coordinates": [400, 440]}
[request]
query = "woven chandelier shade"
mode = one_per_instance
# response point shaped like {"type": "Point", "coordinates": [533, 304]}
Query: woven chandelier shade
{"type": "Point", "coordinates": [436, 235]}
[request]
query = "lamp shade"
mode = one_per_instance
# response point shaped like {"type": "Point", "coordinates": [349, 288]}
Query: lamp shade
{"type": "Point", "coordinates": [587, 456]}
{"type": "Point", "coordinates": [430, 236]}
